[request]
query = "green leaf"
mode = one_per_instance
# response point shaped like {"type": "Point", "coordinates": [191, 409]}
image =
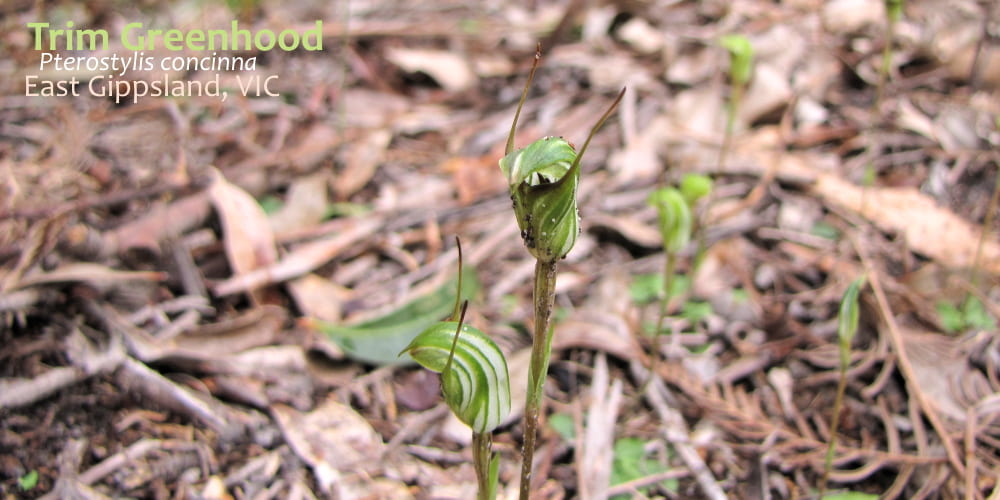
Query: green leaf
{"type": "Point", "coordinates": [825, 230]}
{"type": "Point", "coordinates": [679, 285]}
{"type": "Point", "coordinates": [380, 340]}
{"type": "Point", "coordinates": [971, 314]}
{"type": "Point", "coordinates": [271, 204]}
{"type": "Point", "coordinates": [28, 481]}
{"type": "Point", "coordinates": [850, 495]}
{"type": "Point", "coordinates": [345, 209]}
{"type": "Point", "coordinates": [476, 384]}
{"type": "Point", "coordinates": [563, 424]}
{"type": "Point", "coordinates": [632, 462]}
{"type": "Point", "coordinates": [951, 318]}
{"type": "Point", "coordinates": [696, 311]}
{"type": "Point", "coordinates": [975, 314]}
{"type": "Point", "coordinates": [646, 288]}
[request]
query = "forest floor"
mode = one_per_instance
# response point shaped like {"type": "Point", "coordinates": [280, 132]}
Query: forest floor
{"type": "Point", "coordinates": [167, 263]}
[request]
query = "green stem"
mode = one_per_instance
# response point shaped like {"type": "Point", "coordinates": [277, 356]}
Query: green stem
{"type": "Point", "coordinates": [883, 74]}
{"type": "Point", "coordinates": [482, 456]}
{"type": "Point", "coordinates": [541, 347]}
{"type": "Point", "coordinates": [837, 403]}
{"type": "Point", "coordinates": [668, 282]}
{"type": "Point", "coordinates": [731, 107]}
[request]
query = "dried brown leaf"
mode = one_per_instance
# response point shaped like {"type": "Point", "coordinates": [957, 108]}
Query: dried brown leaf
{"type": "Point", "coordinates": [209, 343]}
{"type": "Point", "coordinates": [247, 233]}
{"type": "Point", "coordinates": [335, 441]}
{"type": "Point", "coordinates": [447, 68]}
{"type": "Point", "coordinates": [164, 221]}
{"type": "Point", "coordinates": [303, 259]}
{"type": "Point", "coordinates": [304, 206]}
{"type": "Point", "coordinates": [363, 157]}
{"type": "Point", "coordinates": [88, 273]}
{"type": "Point", "coordinates": [317, 297]}
{"type": "Point", "coordinates": [595, 453]}
{"type": "Point", "coordinates": [927, 227]}
{"type": "Point", "coordinates": [317, 143]}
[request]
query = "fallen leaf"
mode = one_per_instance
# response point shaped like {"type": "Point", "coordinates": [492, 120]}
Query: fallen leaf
{"type": "Point", "coordinates": [313, 148]}
{"type": "Point", "coordinates": [305, 205]}
{"type": "Point", "coordinates": [943, 372]}
{"type": "Point", "coordinates": [631, 228]}
{"type": "Point", "coordinates": [769, 92]}
{"type": "Point", "coordinates": [369, 109]}
{"type": "Point", "coordinates": [475, 178]}
{"type": "Point", "coordinates": [317, 297]}
{"type": "Point", "coordinates": [418, 390]}
{"type": "Point", "coordinates": [640, 158]}
{"type": "Point", "coordinates": [638, 33]}
{"type": "Point", "coordinates": [341, 446]}
{"type": "Point", "coordinates": [595, 453]}
{"type": "Point", "coordinates": [88, 273]}
{"type": "Point", "coordinates": [449, 69]}
{"type": "Point", "coordinates": [164, 221]}
{"type": "Point", "coordinates": [363, 157]}
{"type": "Point", "coordinates": [247, 233]}
{"type": "Point", "coordinates": [209, 344]}
{"type": "Point", "coordinates": [850, 16]}
{"type": "Point", "coordinates": [301, 260]}
{"type": "Point", "coordinates": [928, 228]}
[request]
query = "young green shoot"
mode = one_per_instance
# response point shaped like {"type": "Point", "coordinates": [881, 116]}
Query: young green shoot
{"type": "Point", "coordinates": [893, 13]}
{"type": "Point", "coordinates": [695, 187]}
{"type": "Point", "coordinates": [847, 327]}
{"type": "Point", "coordinates": [543, 179]}
{"type": "Point", "coordinates": [740, 70]}
{"type": "Point", "coordinates": [474, 381]}
{"type": "Point", "coordinates": [675, 210]}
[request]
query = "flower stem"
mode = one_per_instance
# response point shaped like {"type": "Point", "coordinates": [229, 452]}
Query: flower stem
{"type": "Point", "coordinates": [669, 269]}
{"type": "Point", "coordinates": [731, 107]}
{"type": "Point", "coordinates": [541, 348]}
{"type": "Point", "coordinates": [832, 444]}
{"type": "Point", "coordinates": [482, 456]}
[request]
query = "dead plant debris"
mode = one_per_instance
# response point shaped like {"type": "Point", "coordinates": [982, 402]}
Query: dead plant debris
{"type": "Point", "coordinates": [159, 257]}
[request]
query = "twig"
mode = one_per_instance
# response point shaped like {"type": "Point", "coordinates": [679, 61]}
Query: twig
{"type": "Point", "coordinates": [109, 465]}
{"type": "Point", "coordinates": [905, 368]}
{"type": "Point", "coordinates": [652, 479]}
{"type": "Point", "coordinates": [970, 453]}
{"type": "Point", "coordinates": [23, 392]}
{"type": "Point", "coordinates": [300, 261]}
{"type": "Point", "coordinates": [87, 363]}
{"type": "Point", "coordinates": [68, 484]}
{"type": "Point", "coordinates": [138, 377]}
{"type": "Point", "coordinates": [676, 434]}
{"type": "Point", "coordinates": [47, 211]}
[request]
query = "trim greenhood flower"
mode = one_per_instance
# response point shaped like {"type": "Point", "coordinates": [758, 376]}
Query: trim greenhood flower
{"type": "Point", "coordinates": [543, 179]}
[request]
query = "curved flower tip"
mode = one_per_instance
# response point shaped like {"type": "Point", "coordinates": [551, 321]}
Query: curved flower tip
{"type": "Point", "coordinates": [675, 218]}
{"type": "Point", "coordinates": [476, 384]}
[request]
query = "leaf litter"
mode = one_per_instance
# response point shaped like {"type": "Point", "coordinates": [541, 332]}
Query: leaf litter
{"type": "Point", "coordinates": [154, 315]}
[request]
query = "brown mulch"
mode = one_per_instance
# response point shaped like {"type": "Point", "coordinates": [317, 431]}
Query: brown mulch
{"type": "Point", "coordinates": [164, 262]}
